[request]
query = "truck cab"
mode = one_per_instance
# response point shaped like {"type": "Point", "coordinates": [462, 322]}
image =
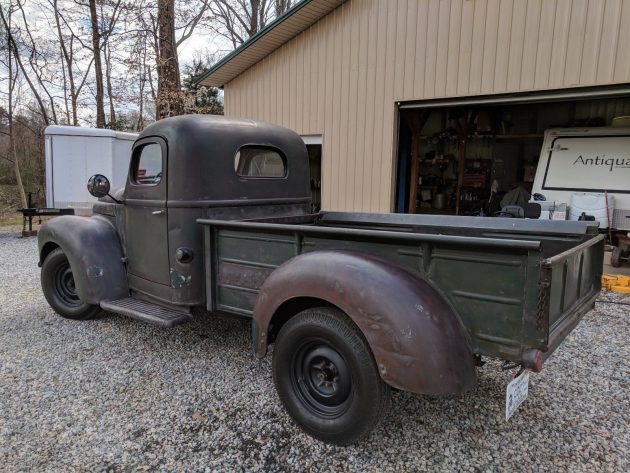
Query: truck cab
{"type": "Point", "coordinates": [181, 169]}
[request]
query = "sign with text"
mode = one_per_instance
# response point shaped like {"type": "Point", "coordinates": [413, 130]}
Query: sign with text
{"type": "Point", "coordinates": [597, 163]}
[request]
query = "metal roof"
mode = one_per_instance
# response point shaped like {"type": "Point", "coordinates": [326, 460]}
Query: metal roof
{"type": "Point", "coordinates": [267, 40]}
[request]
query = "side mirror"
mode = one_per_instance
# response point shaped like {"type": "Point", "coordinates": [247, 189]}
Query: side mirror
{"type": "Point", "coordinates": [98, 185]}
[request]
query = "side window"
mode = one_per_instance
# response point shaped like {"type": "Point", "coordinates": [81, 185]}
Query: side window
{"type": "Point", "coordinates": [147, 169]}
{"type": "Point", "coordinates": [259, 162]}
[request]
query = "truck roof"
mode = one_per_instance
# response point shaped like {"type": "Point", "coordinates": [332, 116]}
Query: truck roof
{"type": "Point", "coordinates": [201, 157]}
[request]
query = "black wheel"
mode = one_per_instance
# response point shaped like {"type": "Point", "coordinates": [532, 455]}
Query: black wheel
{"type": "Point", "coordinates": [327, 378]}
{"type": "Point", "coordinates": [615, 257]}
{"type": "Point", "coordinates": [60, 290]}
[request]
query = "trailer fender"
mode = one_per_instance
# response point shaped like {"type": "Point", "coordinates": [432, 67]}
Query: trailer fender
{"type": "Point", "coordinates": [93, 249]}
{"type": "Point", "coordinates": [417, 339]}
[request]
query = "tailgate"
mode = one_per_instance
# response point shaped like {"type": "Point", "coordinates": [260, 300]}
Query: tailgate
{"type": "Point", "coordinates": [569, 284]}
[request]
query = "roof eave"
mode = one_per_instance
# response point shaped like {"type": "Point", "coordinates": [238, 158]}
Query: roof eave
{"type": "Point", "coordinates": [218, 76]}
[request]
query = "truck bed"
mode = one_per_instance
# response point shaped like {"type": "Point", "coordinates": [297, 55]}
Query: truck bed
{"type": "Point", "coordinates": [515, 284]}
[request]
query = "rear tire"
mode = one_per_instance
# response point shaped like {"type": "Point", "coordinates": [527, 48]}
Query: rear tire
{"type": "Point", "coordinates": [327, 378]}
{"type": "Point", "coordinates": [60, 291]}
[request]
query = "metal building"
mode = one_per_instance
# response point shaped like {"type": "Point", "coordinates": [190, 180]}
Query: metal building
{"type": "Point", "coordinates": [344, 73]}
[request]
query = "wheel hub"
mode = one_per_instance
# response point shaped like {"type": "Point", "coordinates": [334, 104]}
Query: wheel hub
{"type": "Point", "coordinates": [68, 282]}
{"type": "Point", "coordinates": [65, 286]}
{"type": "Point", "coordinates": [323, 378]}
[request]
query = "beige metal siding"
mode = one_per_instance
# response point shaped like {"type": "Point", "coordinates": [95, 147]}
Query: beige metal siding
{"type": "Point", "coordinates": [342, 77]}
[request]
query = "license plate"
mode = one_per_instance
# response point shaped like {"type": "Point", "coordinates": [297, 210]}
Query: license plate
{"type": "Point", "coordinates": [516, 393]}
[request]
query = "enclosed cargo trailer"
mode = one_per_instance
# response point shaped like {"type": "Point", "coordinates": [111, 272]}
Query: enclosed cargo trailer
{"type": "Point", "coordinates": [73, 154]}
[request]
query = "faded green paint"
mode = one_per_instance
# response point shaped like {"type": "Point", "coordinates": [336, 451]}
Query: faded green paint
{"type": "Point", "coordinates": [495, 290]}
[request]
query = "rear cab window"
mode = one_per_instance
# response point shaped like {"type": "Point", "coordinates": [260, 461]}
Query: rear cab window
{"type": "Point", "coordinates": [147, 169]}
{"type": "Point", "coordinates": [259, 162]}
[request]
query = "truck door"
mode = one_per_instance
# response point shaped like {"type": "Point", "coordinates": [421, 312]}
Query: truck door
{"type": "Point", "coordinates": [146, 213]}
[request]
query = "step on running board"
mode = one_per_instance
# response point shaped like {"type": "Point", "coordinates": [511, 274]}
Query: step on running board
{"type": "Point", "coordinates": [146, 311]}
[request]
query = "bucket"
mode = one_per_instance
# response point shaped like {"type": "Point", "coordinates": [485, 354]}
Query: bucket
{"type": "Point", "coordinates": [439, 201]}
{"type": "Point", "coordinates": [597, 205]}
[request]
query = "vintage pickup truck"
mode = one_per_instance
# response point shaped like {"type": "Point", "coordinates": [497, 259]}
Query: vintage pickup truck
{"type": "Point", "coordinates": [214, 219]}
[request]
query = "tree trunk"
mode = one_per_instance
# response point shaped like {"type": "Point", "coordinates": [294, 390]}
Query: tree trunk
{"type": "Point", "coordinates": [16, 164]}
{"type": "Point", "coordinates": [253, 24]}
{"type": "Point", "coordinates": [169, 98]}
{"type": "Point", "coordinates": [110, 89]}
{"type": "Point", "coordinates": [142, 66]}
{"type": "Point", "coordinates": [12, 81]}
{"type": "Point", "coordinates": [282, 6]}
{"type": "Point", "coordinates": [67, 57]}
{"type": "Point", "coordinates": [11, 45]}
{"type": "Point", "coordinates": [98, 70]}
{"type": "Point", "coordinates": [65, 88]}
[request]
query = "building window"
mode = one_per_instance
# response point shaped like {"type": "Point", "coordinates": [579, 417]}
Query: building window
{"type": "Point", "coordinates": [148, 169]}
{"type": "Point", "coordinates": [259, 162]}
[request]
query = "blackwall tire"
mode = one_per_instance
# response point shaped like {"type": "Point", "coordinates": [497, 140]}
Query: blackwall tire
{"type": "Point", "coordinates": [326, 376]}
{"type": "Point", "coordinates": [58, 287]}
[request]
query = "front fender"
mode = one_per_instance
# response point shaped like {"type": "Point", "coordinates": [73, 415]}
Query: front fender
{"type": "Point", "coordinates": [93, 249]}
{"type": "Point", "coordinates": [417, 340]}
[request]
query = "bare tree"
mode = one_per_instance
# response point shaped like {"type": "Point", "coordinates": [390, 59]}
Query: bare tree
{"type": "Point", "coordinates": [67, 45]}
{"type": "Point", "coordinates": [98, 70]}
{"type": "Point", "coordinates": [169, 99]}
{"type": "Point", "coordinates": [11, 89]}
{"type": "Point", "coordinates": [101, 30]}
{"type": "Point", "coordinates": [239, 20]}
{"type": "Point", "coordinates": [107, 53]}
{"type": "Point", "coordinates": [12, 44]}
{"type": "Point", "coordinates": [282, 6]}
{"type": "Point", "coordinates": [190, 18]}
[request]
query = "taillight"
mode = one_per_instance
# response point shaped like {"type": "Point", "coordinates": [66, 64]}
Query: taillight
{"type": "Point", "coordinates": [533, 359]}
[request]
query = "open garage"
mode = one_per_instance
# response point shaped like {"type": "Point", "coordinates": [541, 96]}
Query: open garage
{"type": "Point", "coordinates": [462, 156]}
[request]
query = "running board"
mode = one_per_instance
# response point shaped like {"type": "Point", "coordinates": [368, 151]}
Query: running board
{"type": "Point", "coordinates": [146, 311]}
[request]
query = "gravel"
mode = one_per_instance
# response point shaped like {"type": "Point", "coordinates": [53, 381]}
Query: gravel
{"type": "Point", "coordinates": [115, 394]}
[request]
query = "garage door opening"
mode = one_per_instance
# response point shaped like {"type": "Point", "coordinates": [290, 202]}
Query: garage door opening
{"type": "Point", "coordinates": [464, 159]}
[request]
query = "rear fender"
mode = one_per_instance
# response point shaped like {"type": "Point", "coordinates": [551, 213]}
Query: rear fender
{"type": "Point", "coordinates": [93, 249]}
{"type": "Point", "coordinates": [418, 341]}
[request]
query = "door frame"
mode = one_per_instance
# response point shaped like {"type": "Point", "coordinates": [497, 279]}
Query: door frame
{"type": "Point", "coordinates": [147, 196]}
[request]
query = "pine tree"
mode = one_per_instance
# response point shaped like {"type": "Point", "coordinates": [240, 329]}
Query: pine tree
{"type": "Point", "coordinates": [200, 98]}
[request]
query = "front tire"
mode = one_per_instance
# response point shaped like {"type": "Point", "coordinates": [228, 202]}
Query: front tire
{"type": "Point", "coordinates": [60, 291]}
{"type": "Point", "coordinates": [327, 378]}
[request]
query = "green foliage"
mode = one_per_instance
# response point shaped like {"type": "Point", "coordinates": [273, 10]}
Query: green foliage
{"type": "Point", "coordinates": [122, 123]}
{"type": "Point", "coordinates": [199, 98]}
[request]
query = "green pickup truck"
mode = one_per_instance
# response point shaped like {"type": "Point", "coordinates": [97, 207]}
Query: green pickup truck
{"type": "Point", "coordinates": [215, 218]}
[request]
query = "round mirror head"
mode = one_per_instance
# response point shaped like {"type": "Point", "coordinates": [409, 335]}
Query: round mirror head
{"type": "Point", "coordinates": [98, 185]}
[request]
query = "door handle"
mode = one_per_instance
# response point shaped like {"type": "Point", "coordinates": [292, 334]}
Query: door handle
{"type": "Point", "coordinates": [158, 212]}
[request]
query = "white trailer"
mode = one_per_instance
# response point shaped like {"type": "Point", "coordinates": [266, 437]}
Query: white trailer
{"type": "Point", "coordinates": [73, 154]}
{"type": "Point", "coordinates": [574, 161]}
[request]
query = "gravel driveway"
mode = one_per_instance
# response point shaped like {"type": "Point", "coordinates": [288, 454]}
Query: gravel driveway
{"type": "Point", "coordinates": [116, 394]}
